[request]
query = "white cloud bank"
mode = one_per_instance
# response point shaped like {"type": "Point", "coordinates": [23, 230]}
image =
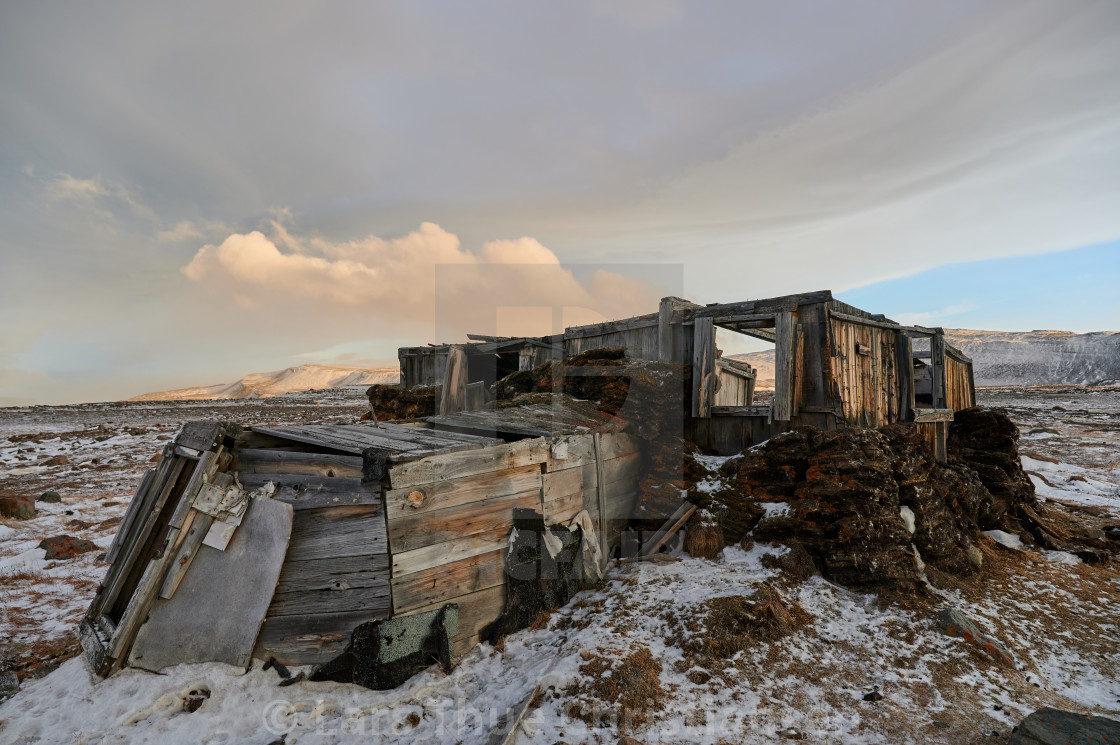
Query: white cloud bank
{"type": "Point", "coordinates": [423, 278]}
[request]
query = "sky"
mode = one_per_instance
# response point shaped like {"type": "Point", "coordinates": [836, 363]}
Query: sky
{"type": "Point", "coordinates": [191, 192]}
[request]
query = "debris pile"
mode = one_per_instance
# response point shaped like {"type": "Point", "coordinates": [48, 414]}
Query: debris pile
{"type": "Point", "coordinates": [389, 402]}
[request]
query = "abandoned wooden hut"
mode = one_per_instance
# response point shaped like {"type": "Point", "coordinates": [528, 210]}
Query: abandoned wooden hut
{"type": "Point", "coordinates": [835, 366]}
{"type": "Point", "coordinates": [279, 541]}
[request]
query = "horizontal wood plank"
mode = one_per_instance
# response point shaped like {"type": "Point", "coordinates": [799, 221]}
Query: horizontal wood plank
{"type": "Point", "coordinates": [406, 562]}
{"type": "Point", "coordinates": [373, 600]}
{"type": "Point", "coordinates": [308, 492]}
{"type": "Point", "coordinates": [260, 460]}
{"type": "Point", "coordinates": [443, 583]}
{"type": "Point", "coordinates": [444, 494]}
{"type": "Point", "coordinates": [307, 640]}
{"type": "Point", "coordinates": [336, 572]}
{"type": "Point", "coordinates": [444, 467]}
{"type": "Point", "coordinates": [410, 532]}
{"type": "Point", "coordinates": [337, 532]}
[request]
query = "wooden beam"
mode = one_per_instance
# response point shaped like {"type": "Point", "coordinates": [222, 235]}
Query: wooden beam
{"type": "Point", "coordinates": [782, 404]}
{"type": "Point", "coordinates": [703, 367]}
{"type": "Point", "coordinates": [933, 415]}
{"type": "Point", "coordinates": [454, 382]}
{"type": "Point", "coordinates": [671, 526]}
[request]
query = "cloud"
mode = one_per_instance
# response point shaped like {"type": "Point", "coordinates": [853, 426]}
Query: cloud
{"type": "Point", "coordinates": [420, 278]}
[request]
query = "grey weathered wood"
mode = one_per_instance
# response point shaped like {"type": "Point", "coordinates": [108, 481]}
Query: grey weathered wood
{"type": "Point", "coordinates": [374, 600]}
{"type": "Point", "coordinates": [130, 515]}
{"type": "Point", "coordinates": [475, 397]}
{"type": "Point", "coordinates": [192, 534]}
{"type": "Point", "coordinates": [454, 382]}
{"type": "Point", "coordinates": [703, 367]}
{"type": "Point", "coordinates": [671, 526]}
{"type": "Point", "coordinates": [308, 639]}
{"type": "Point", "coordinates": [200, 435]}
{"type": "Point", "coordinates": [865, 321]}
{"type": "Point", "coordinates": [937, 371]}
{"type": "Point", "coordinates": [612, 327]}
{"type": "Point", "coordinates": [338, 531]}
{"type": "Point", "coordinates": [786, 303]}
{"type": "Point", "coordinates": [933, 415]}
{"type": "Point", "coordinates": [782, 405]}
{"type": "Point", "coordinates": [904, 362]}
{"type": "Point", "coordinates": [236, 584]}
{"type": "Point", "coordinates": [337, 572]}
{"type": "Point", "coordinates": [445, 582]}
{"type": "Point", "coordinates": [250, 460]}
{"type": "Point", "coordinates": [665, 330]}
{"type": "Point", "coordinates": [306, 492]}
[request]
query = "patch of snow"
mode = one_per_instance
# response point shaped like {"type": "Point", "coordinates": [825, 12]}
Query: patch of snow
{"type": "Point", "coordinates": [1061, 557]}
{"type": "Point", "coordinates": [775, 509]}
{"type": "Point", "coordinates": [907, 517]}
{"type": "Point", "coordinates": [1005, 539]}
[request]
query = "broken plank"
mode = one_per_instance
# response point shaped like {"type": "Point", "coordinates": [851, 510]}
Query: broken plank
{"type": "Point", "coordinates": [252, 460]}
{"type": "Point", "coordinates": [671, 526]}
{"type": "Point", "coordinates": [307, 640]}
{"type": "Point", "coordinates": [306, 492]}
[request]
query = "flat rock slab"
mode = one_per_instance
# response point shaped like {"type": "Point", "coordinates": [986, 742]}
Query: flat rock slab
{"type": "Point", "coordinates": [1057, 727]}
{"type": "Point", "coordinates": [65, 546]}
{"type": "Point", "coordinates": [954, 623]}
{"type": "Point", "coordinates": [217, 610]}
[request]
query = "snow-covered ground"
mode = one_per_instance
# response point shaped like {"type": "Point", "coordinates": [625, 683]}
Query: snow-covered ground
{"type": "Point", "coordinates": [1058, 619]}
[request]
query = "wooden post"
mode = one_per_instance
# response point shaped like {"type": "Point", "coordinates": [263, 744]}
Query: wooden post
{"type": "Point", "coordinates": [937, 370]}
{"type": "Point", "coordinates": [703, 367]}
{"type": "Point", "coordinates": [665, 330]}
{"type": "Point", "coordinates": [904, 360]}
{"type": "Point", "coordinates": [454, 382]}
{"type": "Point", "coordinates": [783, 366]}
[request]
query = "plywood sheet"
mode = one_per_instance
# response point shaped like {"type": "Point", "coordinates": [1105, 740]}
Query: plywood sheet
{"type": "Point", "coordinates": [218, 608]}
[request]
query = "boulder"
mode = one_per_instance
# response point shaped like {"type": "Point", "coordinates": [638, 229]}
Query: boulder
{"type": "Point", "coordinates": [9, 685]}
{"type": "Point", "coordinates": [65, 547]}
{"type": "Point", "coordinates": [987, 441]}
{"type": "Point", "coordinates": [1057, 727]}
{"type": "Point", "coordinates": [19, 508]}
{"type": "Point", "coordinates": [955, 623]}
{"type": "Point", "coordinates": [58, 460]}
{"type": "Point", "coordinates": [51, 497]}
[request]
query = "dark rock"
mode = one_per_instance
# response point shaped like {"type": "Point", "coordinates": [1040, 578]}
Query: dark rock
{"type": "Point", "coordinates": [628, 741]}
{"type": "Point", "coordinates": [873, 696]}
{"type": "Point", "coordinates": [1057, 727]}
{"type": "Point", "coordinates": [391, 402]}
{"type": "Point", "coordinates": [194, 700]}
{"type": "Point", "coordinates": [58, 460]}
{"type": "Point", "coordinates": [51, 497]}
{"type": "Point", "coordinates": [19, 508]}
{"type": "Point", "coordinates": [954, 623]}
{"type": "Point", "coordinates": [9, 685]}
{"type": "Point", "coordinates": [987, 441]}
{"type": "Point", "coordinates": [65, 547]}
{"type": "Point", "coordinates": [384, 654]}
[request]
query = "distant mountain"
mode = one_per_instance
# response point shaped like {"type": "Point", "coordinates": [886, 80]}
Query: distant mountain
{"type": "Point", "coordinates": [289, 380]}
{"type": "Point", "coordinates": [1040, 357]}
{"type": "Point", "coordinates": [1014, 358]}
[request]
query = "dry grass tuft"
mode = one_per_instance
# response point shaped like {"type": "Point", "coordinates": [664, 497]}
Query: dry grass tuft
{"type": "Point", "coordinates": [703, 539]}
{"type": "Point", "coordinates": [736, 623]}
{"type": "Point", "coordinates": [629, 687]}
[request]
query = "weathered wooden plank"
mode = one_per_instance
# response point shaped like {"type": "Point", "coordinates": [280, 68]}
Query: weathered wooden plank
{"type": "Point", "coordinates": [764, 306]}
{"type": "Point", "coordinates": [409, 532]}
{"type": "Point", "coordinates": [933, 415]}
{"type": "Point", "coordinates": [252, 460]}
{"type": "Point", "coordinates": [373, 599]}
{"type": "Point", "coordinates": [562, 509]}
{"type": "Point", "coordinates": [307, 640]}
{"type": "Point", "coordinates": [237, 583]}
{"type": "Point", "coordinates": [782, 405]}
{"type": "Point", "coordinates": [937, 370]}
{"type": "Point", "coordinates": [454, 382]}
{"type": "Point", "coordinates": [559, 484]}
{"type": "Point", "coordinates": [192, 534]}
{"type": "Point", "coordinates": [308, 492]}
{"type": "Point", "coordinates": [443, 494]}
{"type": "Point", "coordinates": [477, 610]}
{"type": "Point", "coordinates": [135, 507]}
{"type": "Point", "coordinates": [571, 451]}
{"type": "Point", "coordinates": [335, 572]}
{"type": "Point", "coordinates": [448, 466]}
{"type": "Point", "coordinates": [406, 562]}
{"type": "Point", "coordinates": [338, 531]}
{"type": "Point", "coordinates": [666, 531]}
{"type": "Point", "coordinates": [649, 320]}
{"type": "Point", "coordinates": [443, 583]}
{"type": "Point", "coordinates": [199, 435]}
{"type": "Point", "coordinates": [703, 367]}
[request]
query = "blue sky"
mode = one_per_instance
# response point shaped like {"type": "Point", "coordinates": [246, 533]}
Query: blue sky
{"type": "Point", "coordinates": [1074, 290]}
{"type": "Point", "coordinates": [192, 192]}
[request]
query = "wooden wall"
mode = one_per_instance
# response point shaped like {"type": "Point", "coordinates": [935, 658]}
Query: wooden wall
{"type": "Point", "coordinates": [864, 367]}
{"type": "Point", "coordinates": [422, 366]}
{"type": "Point", "coordinates": [450, 516]}
{"type": "Point", "coordinates": [638, 336]}
{"type": "Point", "coordinates": [336, 572]}
{"type": "Point", "coordinates": [959, 392]}
{"type": "Point", "coordinates": [734, 388]}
